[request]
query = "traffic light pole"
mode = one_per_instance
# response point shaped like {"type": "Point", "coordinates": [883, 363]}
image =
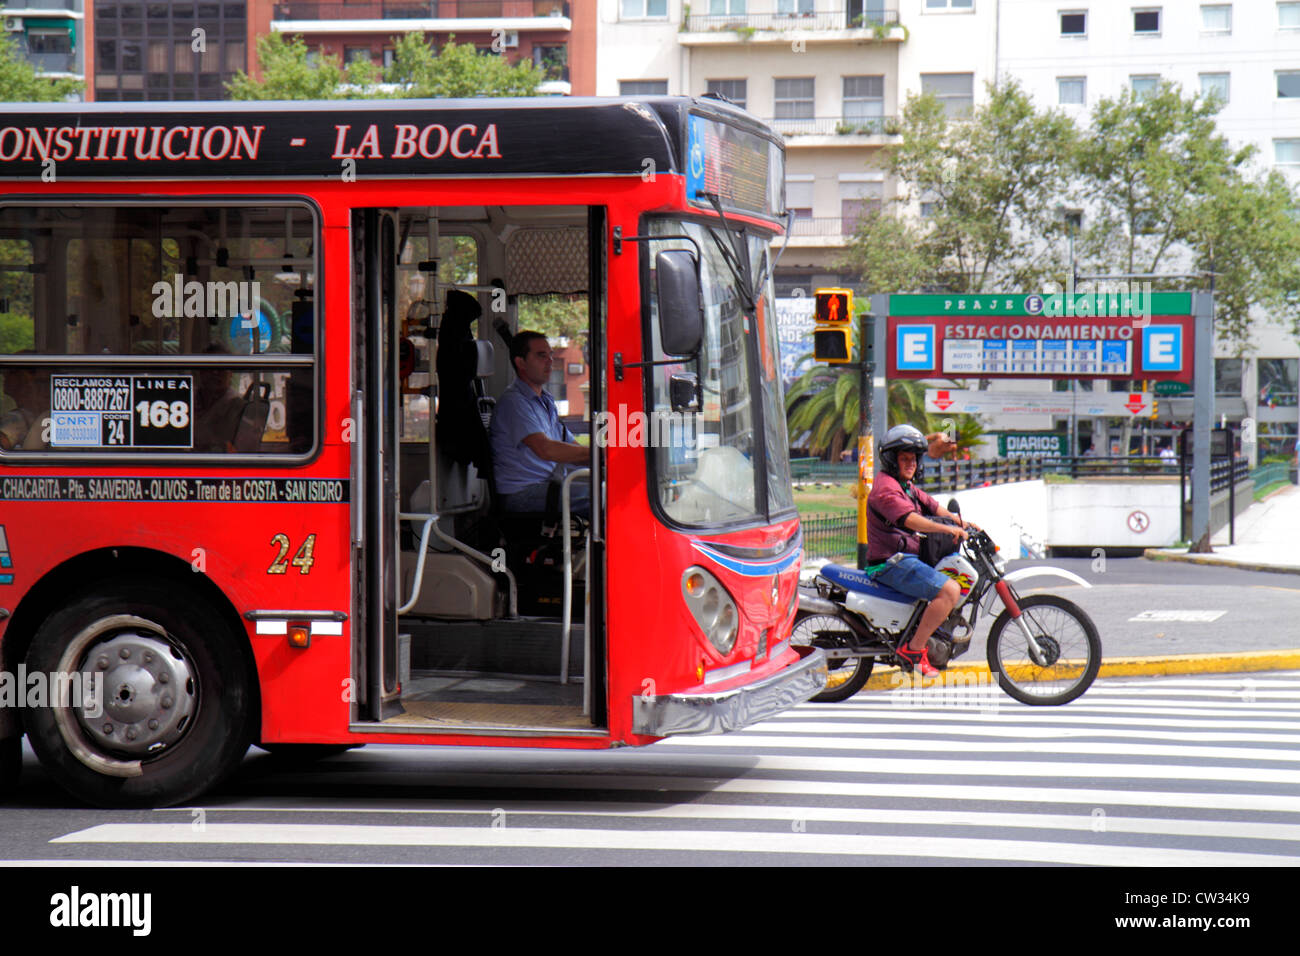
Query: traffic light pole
{"type": "Point", "coordinates": [866, 450]}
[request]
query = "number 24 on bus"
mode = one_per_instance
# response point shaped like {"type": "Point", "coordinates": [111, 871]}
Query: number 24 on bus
{"type": "Point", "coordinates": [306, 551]}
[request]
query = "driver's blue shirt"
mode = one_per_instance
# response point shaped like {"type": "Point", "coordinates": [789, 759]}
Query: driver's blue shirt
{"type": "Point", "coordinates": [521, 412]}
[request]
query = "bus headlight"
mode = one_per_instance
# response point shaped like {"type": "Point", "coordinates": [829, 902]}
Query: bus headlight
{"type": "Point", "coordinates": [712, 608]}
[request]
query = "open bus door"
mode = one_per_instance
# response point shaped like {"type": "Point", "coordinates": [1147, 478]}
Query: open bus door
{"type": "Point", "coordinates": [375, 531]}
{"type": "Point", "coordinates": [441, 582]}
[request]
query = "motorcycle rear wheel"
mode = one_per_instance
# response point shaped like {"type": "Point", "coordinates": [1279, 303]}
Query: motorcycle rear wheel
{"type": "Point", "coordinates": [845, 677]}
{"type": "Point", "coordinates": [1066, 635]}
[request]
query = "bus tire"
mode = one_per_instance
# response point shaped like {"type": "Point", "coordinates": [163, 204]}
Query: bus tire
{"type": "Point", "coordinates": [11, 764]}
{"type": "Point", "coordinates": [177, 708]}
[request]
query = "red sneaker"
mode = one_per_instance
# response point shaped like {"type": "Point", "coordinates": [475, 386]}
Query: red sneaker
{"type": "Point", "coordinates": [919, 660]}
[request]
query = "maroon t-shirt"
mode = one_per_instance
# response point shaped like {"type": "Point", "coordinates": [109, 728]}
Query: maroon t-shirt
{"type": "Point", "coordinates": [887, 507]}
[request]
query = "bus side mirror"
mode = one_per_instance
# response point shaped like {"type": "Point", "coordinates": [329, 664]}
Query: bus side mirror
{"type": "Point", "coordinates": [677, 285]}
{"type": "Point", "coordinates": [684, 392]}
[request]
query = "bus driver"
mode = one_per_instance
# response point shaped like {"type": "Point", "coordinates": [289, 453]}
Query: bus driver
{"type": "Point", "coordinates": [531, 447]}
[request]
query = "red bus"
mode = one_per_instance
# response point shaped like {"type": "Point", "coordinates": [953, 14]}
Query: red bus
{"type": "Point", "coordinates": [243, 498]}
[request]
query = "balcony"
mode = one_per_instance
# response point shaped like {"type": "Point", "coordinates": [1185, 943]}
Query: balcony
{"type": "Point", "coordinates": [836, 130]}
{"type": "Point", "coordinates": [496, 10]}
{"type": "Point", "coordinates": [849, 22]}
{"type": "Point", "coordinates": [53, 62]}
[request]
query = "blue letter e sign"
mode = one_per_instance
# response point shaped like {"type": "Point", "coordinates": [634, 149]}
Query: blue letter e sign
{"type": "Point", "coordinates": [1162, 348]}
{"type": "Point", "coordinates": [915, 347]}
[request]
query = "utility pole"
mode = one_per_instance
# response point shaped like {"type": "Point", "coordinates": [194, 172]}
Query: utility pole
{"type": "Point", "coordinates": [866, 446]}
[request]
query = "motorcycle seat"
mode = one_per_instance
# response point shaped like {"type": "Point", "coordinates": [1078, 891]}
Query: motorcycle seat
{"type": "Point", "coordinates": [853, 579]}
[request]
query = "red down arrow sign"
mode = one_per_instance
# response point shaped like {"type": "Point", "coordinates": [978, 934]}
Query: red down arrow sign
{"type": "Point", "coordinates": [1136, 402]}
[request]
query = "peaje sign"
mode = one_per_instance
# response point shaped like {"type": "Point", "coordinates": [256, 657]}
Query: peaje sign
{"type": "Point", "coordinates": [1034, 336]}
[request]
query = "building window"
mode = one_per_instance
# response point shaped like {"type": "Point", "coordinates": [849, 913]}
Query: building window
{"type": "Point", "coordinates": [955, 91]}
{"type": "Point", "coordinates": [1277, 382]}
{"type": "Point", "coordinates": [1147, 22]}
{"type": "Point", "coordinates": [794, 97]}
{"type": "Point", "coordinates": [351, 53]}
{"type": "Point", "coordinates": [1227, 377]}
{"type": "Point", "coordinates": [949, 4]}
{"type": "Point", "coordinates": [1215, 84]}
{"type": "Point", "coordinates": [864, 103]}
{"type": "Point", "coordinates": [1216, 18]}
{"type": "Point", "coordinates": [1286, 152]}
{"type": "Point", "coordinates": [645, 9]}
{"type": "Point", "coordinates": [1143, 86]}
{"type": "Point", "coordinates": [799, 195]}
{"type": "Point", "coordinates": [1288, 16]}
{"type": "Point", "coordinates": [642, 87]}
{"type": "Point", "coordinates": [792, 8]}
{"type": "Point", "coordinates": [734, 90]}
{"type": "Point", "coordinates": [858, 198]}
{"type": "Point", "coordinates": [1074, 23]}
{"type": "Point", "coordinates": [722, 8]}
{"type": "Point", "coordinates": [1071, 90]}
{"type": "Point", "coordinates": [1288, 84]}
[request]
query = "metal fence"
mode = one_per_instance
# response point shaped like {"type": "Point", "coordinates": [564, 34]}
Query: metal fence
{"type": "Point", "coordinates": [803, 18]}
{"type": "Point", "coordinates": [833, 537]}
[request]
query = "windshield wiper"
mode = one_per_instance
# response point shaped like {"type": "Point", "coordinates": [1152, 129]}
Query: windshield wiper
{"type": "Point", "coordinates": [730, 256]}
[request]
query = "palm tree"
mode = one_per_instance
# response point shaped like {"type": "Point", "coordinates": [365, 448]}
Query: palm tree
{"type": "Point", "coordinates": [823, 404]}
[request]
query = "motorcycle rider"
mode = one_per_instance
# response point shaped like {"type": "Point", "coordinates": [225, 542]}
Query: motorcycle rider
{"type": "Point", "coordinates": [897, 511]}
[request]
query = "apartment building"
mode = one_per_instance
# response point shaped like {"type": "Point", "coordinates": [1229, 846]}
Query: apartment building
{"type": "Point", "coordinates": [1072, 53]}
{"type": "Point", "coordinates": [49, 34]}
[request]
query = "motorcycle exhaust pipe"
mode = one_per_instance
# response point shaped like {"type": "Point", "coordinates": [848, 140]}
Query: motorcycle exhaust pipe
{"type": "Point", "coordinates": [816, 604]}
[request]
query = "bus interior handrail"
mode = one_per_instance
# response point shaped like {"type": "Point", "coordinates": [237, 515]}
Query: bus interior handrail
{"type": "Point", "coordinates": [430, 524]}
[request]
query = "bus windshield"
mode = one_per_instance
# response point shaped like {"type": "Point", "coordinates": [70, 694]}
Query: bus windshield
{"type": "Point", "coordinates": [707, 468]}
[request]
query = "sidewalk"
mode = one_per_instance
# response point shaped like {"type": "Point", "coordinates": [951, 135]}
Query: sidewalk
{"type": "Point", "coordinates": [1267, 538]}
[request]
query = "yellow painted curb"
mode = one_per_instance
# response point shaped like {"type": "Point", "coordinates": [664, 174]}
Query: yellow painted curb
{"type": "Point", "coordinates": [891, 678]}
{"type": "Point", "coordinates": [1159, 554]}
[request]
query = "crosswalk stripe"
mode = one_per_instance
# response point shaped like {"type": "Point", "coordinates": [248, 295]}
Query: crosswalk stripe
{"type": "Point", "coordinates": [821, 728]}
{"type": "Point", "coordinates": [905, 747]}
{"type": "Point", "coordinates": [763, 734]}
{"type": "Point", "coordinates": [775, 787]}
{"type": "Point", "coordinates": [665, 840]}
{"type": "Point", "coordinates": [1084, 822]}
{"type": "Point", "coordinates": [1011, 722]}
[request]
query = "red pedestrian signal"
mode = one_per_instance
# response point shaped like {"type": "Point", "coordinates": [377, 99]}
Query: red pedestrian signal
{"type": "Point", "coordinates": [834, 306]}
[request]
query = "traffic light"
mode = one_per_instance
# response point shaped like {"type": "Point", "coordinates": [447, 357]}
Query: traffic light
{"type": "Point", "coordinates": [833, 332]}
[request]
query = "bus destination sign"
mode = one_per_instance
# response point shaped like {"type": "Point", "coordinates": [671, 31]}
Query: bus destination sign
{"type": "Point", "coordinates": [732, 164]}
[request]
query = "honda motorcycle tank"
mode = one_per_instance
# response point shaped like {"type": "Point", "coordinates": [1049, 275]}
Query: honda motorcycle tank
{"type": "Point", "coordinates": [961, 571]}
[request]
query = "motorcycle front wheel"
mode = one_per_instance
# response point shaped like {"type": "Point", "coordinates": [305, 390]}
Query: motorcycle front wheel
{"type": "Point", "coordinates": [1068, 658]}
{"type": "Point", "coordinates": [845, 676]}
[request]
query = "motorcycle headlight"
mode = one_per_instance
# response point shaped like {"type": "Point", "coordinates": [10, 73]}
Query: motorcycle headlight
{"type": "Point", "coordinates": [712, 607]}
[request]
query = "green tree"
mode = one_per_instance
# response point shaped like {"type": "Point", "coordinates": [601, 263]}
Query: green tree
{"type": "Point", "coordinates": [1168, 193]}
{"type": "Point", "coordinates": [457, 70]}
{"type": "Point", "coordinates": [555, 316]}
{"type": "Point", "coordinates": [20, 83]}
{"type": "Point", "coordinates": [290, 72]}
{"type": "Point", "coordinates": [824, 404]}
{"type": "Point", "coordinates": [993, 183]}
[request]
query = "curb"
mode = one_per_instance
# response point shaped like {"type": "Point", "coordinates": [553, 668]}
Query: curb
{"type": "Point", "coordinates": [1159, 554]}
{"type": "Point", "coordinates": [1169, 665]}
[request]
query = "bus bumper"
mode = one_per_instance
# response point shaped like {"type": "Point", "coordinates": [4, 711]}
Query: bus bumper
{"type": "Point", "coordinates": [668, 714]}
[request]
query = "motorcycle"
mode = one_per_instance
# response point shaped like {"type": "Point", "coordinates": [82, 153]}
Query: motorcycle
{"type": "Point", "coordinates": [1044, 649]}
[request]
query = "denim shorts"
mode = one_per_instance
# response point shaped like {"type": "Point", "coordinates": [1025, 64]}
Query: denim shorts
{"type": "Point", "coordinates": [913, 577]}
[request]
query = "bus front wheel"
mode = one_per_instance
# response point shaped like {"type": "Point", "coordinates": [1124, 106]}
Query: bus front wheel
{"type": "Point", "coordinates": [150, 702]}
